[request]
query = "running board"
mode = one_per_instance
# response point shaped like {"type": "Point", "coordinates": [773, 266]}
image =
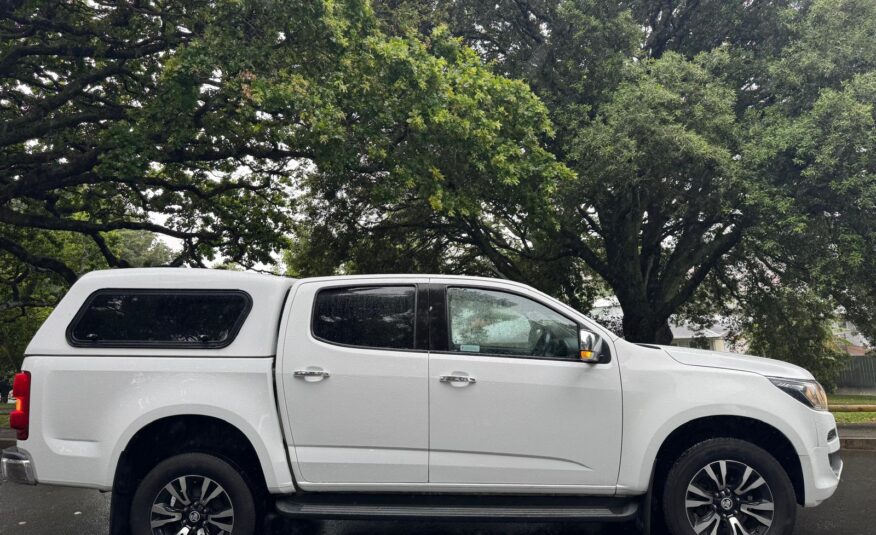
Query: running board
{"type": "Point", "coordinates": [458, 507]}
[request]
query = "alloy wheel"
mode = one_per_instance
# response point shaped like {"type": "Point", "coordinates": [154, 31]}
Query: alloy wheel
{"type": "Point", "coordinates": [729, 498]}
{"type": "Point", "coordinates": [192, 505]}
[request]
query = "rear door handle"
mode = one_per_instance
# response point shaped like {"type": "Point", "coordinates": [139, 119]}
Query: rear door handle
{"type": "Point", "coordinates": [311, 375]}
{"type": "Point", "coordinates": [457, 380]}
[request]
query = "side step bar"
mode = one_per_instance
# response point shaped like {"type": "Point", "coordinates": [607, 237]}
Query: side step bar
{"type": "Point", "coordinates": [458, 507]}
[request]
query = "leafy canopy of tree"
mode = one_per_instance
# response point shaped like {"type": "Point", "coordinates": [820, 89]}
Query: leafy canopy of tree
{"type": "Point", "coordinates": [202, 121]}
{"type": "Point", "coordinates": [717, 150]}
{"type": "Point", "coordinates": [684, 155]}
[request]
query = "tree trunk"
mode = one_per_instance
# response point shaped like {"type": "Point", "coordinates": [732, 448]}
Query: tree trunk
{"type": "Point", "coordinates": [646, 329]}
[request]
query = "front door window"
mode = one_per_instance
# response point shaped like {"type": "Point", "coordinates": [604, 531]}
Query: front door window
{"type": "Point", "coordinates": [499, 323]}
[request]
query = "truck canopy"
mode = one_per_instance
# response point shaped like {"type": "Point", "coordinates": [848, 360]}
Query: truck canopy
{"type": "Point", "coordinates": [259, 304]}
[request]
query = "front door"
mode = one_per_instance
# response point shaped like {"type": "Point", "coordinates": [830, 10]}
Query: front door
{"type": "Point", "coordinates": [354, 383]}
{"type": "Point", "coordinates": [510, 404]}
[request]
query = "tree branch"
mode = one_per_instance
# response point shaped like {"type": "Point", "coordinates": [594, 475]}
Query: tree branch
{"type": "Point", "coordinates": [111, 259]}
{"type": "Point", "coordinates": [89, 227]}
{"type": "Point", "coordinates": [41, 262]}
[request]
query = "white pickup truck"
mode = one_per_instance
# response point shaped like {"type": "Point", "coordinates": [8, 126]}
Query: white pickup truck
{"type": "Point", "coordinates": [207, 401]}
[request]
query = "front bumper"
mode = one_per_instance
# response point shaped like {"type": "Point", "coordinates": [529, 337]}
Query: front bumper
{"type": "Point", "coordinates": [823, 465]}
{"type": "Point", "coordinates": [17, 466]}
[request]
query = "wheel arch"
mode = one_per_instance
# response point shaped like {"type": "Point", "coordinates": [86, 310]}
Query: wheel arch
{"type": "Point", "coordinates": [170, 435]}
{"type": "Point", "coordinates": [167, 436]}
{"type": "Point", "coordinates": [751, 430]}
{"type": "Point", "coordinates": [272, 464]}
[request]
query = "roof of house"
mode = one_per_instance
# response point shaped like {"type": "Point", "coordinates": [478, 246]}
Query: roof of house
{"type": "Point", "coordinates": [685, 330]}
{"type": "Point", "coordinates": [856, 351]}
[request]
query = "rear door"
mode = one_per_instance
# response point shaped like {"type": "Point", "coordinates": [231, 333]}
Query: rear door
{"type": "Point", "coordinates": [354, 369]}
{"type": "Point", "coordinates": [510, 403]}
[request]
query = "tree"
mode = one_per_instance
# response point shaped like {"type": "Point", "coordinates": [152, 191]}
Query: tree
{"type": "Point", "coordinates": [692, 132]}
{"type": "Point", "coordinates": [793, 325]}
{"type": "Point", "coordinates": [828, 163]}
{"type": "Point", "coordinates": [27, 294]}
{"type": "Point", "coordinates": [811, 256]}
{"type": "Point", "coordinates": [201, 120]}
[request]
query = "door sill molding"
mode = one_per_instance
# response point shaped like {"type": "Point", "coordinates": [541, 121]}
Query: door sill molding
{"type": "Point", "coordinates": [459, 507]}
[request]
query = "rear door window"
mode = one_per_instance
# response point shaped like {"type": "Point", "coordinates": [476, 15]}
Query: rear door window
{"type": "Point", "coordinates": [379, 317]}
{"type": "Point", "coordinates": [160, 318]}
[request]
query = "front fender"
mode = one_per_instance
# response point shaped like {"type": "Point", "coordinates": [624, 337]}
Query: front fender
{"type": "Point", "coordinates": [661, 395]}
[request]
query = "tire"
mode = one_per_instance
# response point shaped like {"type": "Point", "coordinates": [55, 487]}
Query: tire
{"type": "Point", "coordinates": [222, 485]}
{"type": "Point", "coordinates": [716, 510]}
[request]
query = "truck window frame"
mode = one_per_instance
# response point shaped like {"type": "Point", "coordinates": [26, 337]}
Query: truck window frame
{"type": "Point", "coordinates": [159, 344]}
{"type": "Point", "coordinates": [419, 336]}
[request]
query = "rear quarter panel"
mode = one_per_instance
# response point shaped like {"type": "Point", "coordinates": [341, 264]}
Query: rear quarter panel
{"type": "Point", "coordinates": [85, 410]}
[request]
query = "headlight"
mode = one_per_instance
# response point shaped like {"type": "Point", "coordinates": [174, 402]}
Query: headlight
{"type": "Point", "coordinates": [809, 392]}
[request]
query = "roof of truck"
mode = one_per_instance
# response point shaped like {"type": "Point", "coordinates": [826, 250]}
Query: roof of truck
{"type": "Point", "coordinates": [257, 336]}
{"type": "Point", "coordinates": [157, 276]}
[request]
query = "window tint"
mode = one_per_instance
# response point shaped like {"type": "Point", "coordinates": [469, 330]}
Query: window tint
{"type": "Point", "coordinates": [499, 323]}
{"type": "Point", "coordinates": [379, 316]}
{"type": "Point", "coordinates": [169, 318]}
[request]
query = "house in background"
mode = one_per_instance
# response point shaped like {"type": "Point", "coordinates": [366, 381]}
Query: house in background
{"type": "Point", "coordinates": [858, 375]}
{"type": "Point", "coordinates": [852, 341]}
{"type": "Point", "coordinates": [715, 337]}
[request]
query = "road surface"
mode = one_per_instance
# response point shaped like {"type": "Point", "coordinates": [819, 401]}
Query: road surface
{"type": "Point", "coordinates": [44, 510]}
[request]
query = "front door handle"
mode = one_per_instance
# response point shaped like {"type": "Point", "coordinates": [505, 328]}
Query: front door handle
{"type": "Point", "coordinates": [311, 375]}
{"type": "Point", "coordinates": [457, 380]}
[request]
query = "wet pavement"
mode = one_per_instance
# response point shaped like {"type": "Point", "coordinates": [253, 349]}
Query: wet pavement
{"type": "Point", "coordinates": [44, 510]}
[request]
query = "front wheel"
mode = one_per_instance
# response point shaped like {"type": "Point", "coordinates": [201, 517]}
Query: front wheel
{"type": "Point", "coordinates": [196, 494]}
{"type": "Point", "coordinates": [726, 486]}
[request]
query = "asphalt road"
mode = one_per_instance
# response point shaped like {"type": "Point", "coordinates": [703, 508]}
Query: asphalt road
{"type": "Point", "coordinates": [44, 510]}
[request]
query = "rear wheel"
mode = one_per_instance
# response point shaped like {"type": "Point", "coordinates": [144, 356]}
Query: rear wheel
{"type": "Point", "coordinates": [728, 486]}
{"type": "Point", "coordinates": [194, 494]}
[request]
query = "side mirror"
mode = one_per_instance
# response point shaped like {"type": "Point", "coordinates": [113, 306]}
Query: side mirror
{"type": "Point", "coordinates": [588, 346]}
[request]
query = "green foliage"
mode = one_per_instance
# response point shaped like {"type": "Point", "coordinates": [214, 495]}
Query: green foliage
{"type": "Point", "coordinates": [663, 191]}
{"type": "Point", "coordinates": [795, 326]}
{"type": "Point", "coordinates": [815, 149]}
{"type": "Point", "coordinates": [830, 43]}
{"type": "Point", "coordinates": [855, 417]}
{"type": "Point", "coordinates": [689, 157]}
{"type": "Point", "coordinates": [717, 149]}
{"type": "Point", "coordinates": [851, 400]}
{"type": "Point", "coordinates": [205, 121]}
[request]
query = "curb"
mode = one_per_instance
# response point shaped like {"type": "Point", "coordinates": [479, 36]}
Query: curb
{"type": "Point", "coordinates": [858, 444]}
{"type": "Point", "coordinates": [852, 427]}
{"type": "Point", "coordinates": [852, 408]}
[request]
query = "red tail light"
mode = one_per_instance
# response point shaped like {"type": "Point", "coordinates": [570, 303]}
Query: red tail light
{"type": "Point", "coordinates": [19, 419]}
